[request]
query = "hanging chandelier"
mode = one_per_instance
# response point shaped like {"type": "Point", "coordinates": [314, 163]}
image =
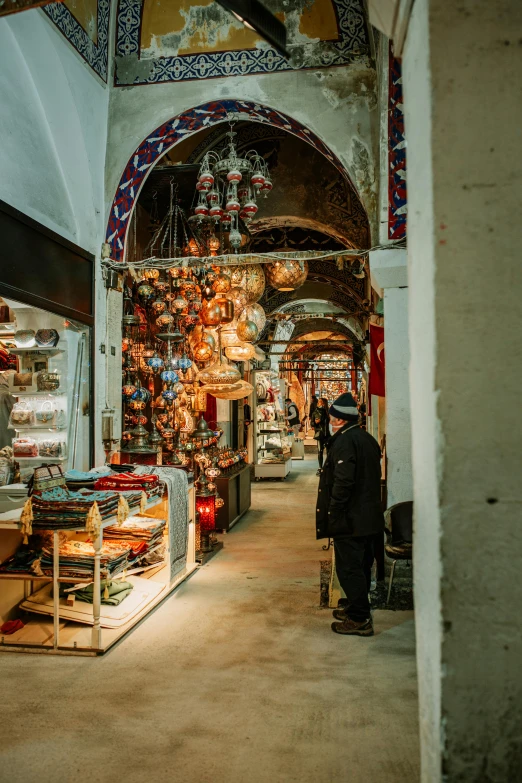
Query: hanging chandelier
{"type": "Point", "coordinates": [228, 187]}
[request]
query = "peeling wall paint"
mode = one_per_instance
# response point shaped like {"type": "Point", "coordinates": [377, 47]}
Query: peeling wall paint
{"type": "Point", "coordinates": [156, 42]}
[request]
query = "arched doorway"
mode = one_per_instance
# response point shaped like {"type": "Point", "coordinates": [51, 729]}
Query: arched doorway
{"type": "Point", "coordinates": [175, 130]}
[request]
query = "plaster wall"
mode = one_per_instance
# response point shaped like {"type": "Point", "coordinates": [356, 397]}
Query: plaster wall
{"type": "Point", "coordinates": [338, 104]}
{"type": "Point", "coordinates": [53, 126]}
{"type": "Point", "coordinates": [398, 433]}
{"type": "Point", "coordinates": [465, 283]}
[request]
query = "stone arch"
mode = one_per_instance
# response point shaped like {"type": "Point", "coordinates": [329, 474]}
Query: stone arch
{"type": "Point", "coordinates": [179, 127]}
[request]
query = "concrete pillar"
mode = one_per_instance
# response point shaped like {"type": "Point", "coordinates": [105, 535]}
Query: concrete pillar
{"type": "Point", "coordinates": [463, 112]}
{"type": "Point", "coordinates": [389, 272]}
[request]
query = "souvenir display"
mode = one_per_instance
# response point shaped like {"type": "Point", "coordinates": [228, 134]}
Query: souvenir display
{"type": "Point", "coordinates": [22, 415]}
{"type": "Point", "coordinates": [47, 338]}
{"type": "Point", "coordinates": [45, 413]}
{"type": "Point", "coordinates": [48, 381]}
{"type": "Point", "coordinates": [25, 447]}
{"type": "Point", "coordinates": [24, 338]}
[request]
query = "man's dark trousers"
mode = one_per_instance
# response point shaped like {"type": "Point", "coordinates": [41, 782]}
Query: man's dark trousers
{"type": "Point", "coordinates": [353, 563]}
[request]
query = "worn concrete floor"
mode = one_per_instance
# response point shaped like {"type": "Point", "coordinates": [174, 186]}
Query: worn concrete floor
{"type": "Point", "coordinates": [236, 678]}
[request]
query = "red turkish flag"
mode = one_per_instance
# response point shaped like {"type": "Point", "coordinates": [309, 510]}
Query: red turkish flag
{"type": "Point", "coordinates": [377, 365]}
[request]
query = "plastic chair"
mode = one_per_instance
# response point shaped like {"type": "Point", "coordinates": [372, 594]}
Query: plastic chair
{"type": "Point", "coordinates": [399, 535]}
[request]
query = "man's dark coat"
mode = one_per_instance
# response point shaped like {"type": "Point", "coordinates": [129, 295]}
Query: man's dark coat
{"type": "Point", "coordinates": [349, 498]}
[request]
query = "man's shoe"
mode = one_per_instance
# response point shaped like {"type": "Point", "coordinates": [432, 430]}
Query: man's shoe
{"type": "Point", "coordinates": [340, 614]}
{"type": "Point", "coordinates": [351, 628]}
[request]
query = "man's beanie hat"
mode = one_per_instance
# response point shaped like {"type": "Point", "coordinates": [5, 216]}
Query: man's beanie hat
{"type": "Point", "coordinates": [344, 407]}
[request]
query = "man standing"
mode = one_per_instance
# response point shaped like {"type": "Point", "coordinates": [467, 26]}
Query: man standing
{"type": "Point", "coordinates": [292, 416]}
{"type": "Point", "coordinates": [349, 511]}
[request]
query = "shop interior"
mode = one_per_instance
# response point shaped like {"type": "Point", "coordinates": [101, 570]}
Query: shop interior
{"type": "Point", "coordinates": [226, 319]}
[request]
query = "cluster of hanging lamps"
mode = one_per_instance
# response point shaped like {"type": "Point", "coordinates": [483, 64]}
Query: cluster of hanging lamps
{"type": "Point", "coordinates": [228, 188]}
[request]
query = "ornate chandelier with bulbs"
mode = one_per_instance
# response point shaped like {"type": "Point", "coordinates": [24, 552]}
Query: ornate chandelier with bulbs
{"type": "Point", "coordinates": [228, 187]}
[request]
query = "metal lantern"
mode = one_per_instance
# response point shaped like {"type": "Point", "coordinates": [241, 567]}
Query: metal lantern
{"type": "Point", "coordinates": [254, 282]}
{"type": "Point", "coordinates": [222, 284]}
{"type": "Point", "coordinates": [151, 274]}
{"type": "Point", "coordinates": [210, 313]}
{"type": "Point", "coordinates": [247, 331]}
{"type": "Point", "coordinates": [286, 275]}
{"type": "Point", "coordinates": [229, 335]}
{"type": "Point", "coordinates": [165, 320]}
{"type": "Point", "coordinates": [239, 297]}
{"type": "Point", "coordinates": [255, 313]}
{"type": "Point", "coordinates": [227, 310]}
{"type": "Point", "coordinates": [241, 353]}
{"type": "Point", "coordinates": [203, 351]}
{"type": "Point", "coordinates": [219, 372]}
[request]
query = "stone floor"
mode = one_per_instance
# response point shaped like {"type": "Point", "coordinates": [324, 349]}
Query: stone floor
{"type": "Point", "coordinates": [236, 677]}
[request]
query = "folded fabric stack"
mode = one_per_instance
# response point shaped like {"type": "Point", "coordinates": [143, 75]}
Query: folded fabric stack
{"type": "Point", "coordinates": [79, 479]}
{"type": "Point", "coordinates": [112, 593]}
{"type": "Point", "coordinates": [128, 482]}
{"type": "Point", "coordinates": [61, 509]}
{"type": "Point", "coordinates": [77, 559]}
{"type": "Point", "coordinates": [137, 528]}
{"type": "Point", "coordinates": [21, 562]}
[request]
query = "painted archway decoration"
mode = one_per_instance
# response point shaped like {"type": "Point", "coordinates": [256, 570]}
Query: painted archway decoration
{"type": "Point", "coordinates": [178, 128]}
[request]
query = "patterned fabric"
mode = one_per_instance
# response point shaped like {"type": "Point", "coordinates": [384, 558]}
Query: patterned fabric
{"type": "Point", "coordinates": [397, 200]}
{"type": "Point", "coordinates": [177, 484]}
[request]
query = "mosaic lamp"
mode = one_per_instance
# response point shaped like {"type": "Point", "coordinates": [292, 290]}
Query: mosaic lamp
{"type": "Point", "coordinates": [286, 275]}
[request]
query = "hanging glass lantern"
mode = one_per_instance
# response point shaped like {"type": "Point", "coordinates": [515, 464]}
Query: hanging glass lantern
{"type": "Point", "coordinates": [137, 405]}
{"type": "Point", "coordinates": [169, 376]}
{"type": "Point", "coordinates": [219, 372]}
{"type": "Point", "coordinates": [165, 320]}
{"type": "Point", "coordinates": [286, 275]}
{"type": "Point", "coordinates": [169, 395]}
{"type": "Point", "coordinates": [247, 331]}
{"type": "Point", "coordinates": [151, 274]}
{"type": "Point", "coordinates": [222, 284]}
{"type": "Point", "coordinates": [185, 362]}
{"type": "Point", "coordinates": [239, 297]}
{"type": "Point", "coordinates": [128, 389]}
{"type": "Point", "coordinates": [203, 351]}
{"type": "Point", "coordinates": [155, 363]}
{"type": "Point", "coordinates": [146, 291]}
{"type": "Point", "coordinates": [241, 353]}
{"type": "Point", "coordinates": [210, 313]}
{"type": "Point", "coordinates": [141, 394]}
{"type": "Point", "coordinates": [227, 310]}
{"type": "Point", "coordinates": [255, 313]}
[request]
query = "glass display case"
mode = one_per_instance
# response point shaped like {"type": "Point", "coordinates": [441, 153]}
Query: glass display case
{"type": "Point", "coordinates": [272, 445]}
{"type": "Point", "coordinates": [46, 391]}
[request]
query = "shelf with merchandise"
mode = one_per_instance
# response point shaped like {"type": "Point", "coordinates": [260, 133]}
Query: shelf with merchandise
{"type": "Point", "coordinates": [36, 350]}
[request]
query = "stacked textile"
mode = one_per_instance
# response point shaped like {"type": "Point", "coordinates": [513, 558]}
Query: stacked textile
{"type": "Point", "coordinates": [77, 559]}
{"type": "Point", "coordinates": [145, 536]}
{"type": "Point", "coordinates": [61, 509]}
{"type": "Point", "coordinates": [127, 483]}
{"type": "Point", "coordinates": [21, 562]}
{"type": "Point", "coordinates": [80, 479]}
{"type": "Point", "coordinates": [112, 593]}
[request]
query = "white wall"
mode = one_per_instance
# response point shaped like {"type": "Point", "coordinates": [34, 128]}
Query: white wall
{"type": "Point", "coordinates": [53, 131]}
{"type": "Point", "coordinates": [398, 423]}
{"type": "Point", "coordinates": [463, 101]}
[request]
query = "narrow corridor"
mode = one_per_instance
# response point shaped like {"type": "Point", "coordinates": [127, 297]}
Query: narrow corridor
{"type": "Point", "coordinates": [236, 677]}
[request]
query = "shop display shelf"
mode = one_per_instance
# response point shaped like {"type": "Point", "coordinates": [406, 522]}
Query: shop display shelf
{"type": "Point", "coordinates": [36, 350]}
{"type": "Point", "coordinates": [41, 459]}
{"type": "Point", "coordinates": [40, 429]}
{"type": "Point", "coordinates": [57, 393]}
